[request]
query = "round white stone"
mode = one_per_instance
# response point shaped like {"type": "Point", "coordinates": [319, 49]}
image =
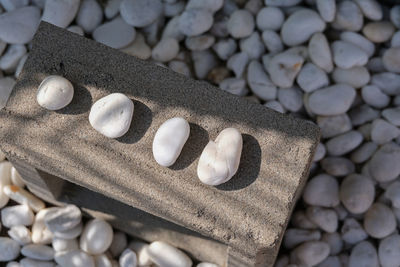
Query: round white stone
{"type": "Point", "coordinates": [272, 41]}
{"type": "Point", "coordinates": [112, 115]}
{"type": "Point", "coordinates": [270, 18]}
{"type": "Point", "coordinates": [60, 244]}
{"type": "Point", "coordinates": [76, 258]}
{"type": "Point", "coordinates": [310, 253]}
{"type": "Point", "coordinates": [358, 40]}
{"type": "Point", "coordinates": [389, 251]}
{"type": "Point", "coordinates": [40, 233]}
{"type": "Point", "coordinates": [54, 92]}
{"type": "Point", "coordinates": [322, 190]}
{"type": "Point", "coordinates": [237, 63]}
{"type": "Point", "coordinates": [140, 13]}
{"type": "Point", "coordinates": [284, 67]}
{"type": "Point", "coordinates": [96, 237]}
{"type": "Point", "coordinates": [164, 254]}
{"type": "Point", "coordinates": [356, 77]}
{"type": "Point", "coordinates": [371, 9]}
{"type": "Point", "coordinates": [240, 24]}
{"type": "Point", "coordinates": [320, 52]}
{"type": "Point", "coordinates": [326, 9]}
{"type": "Point", "coordinates": [379, 32]}
{"type": "Point", "coordinates": [89, 16]}
{"type": "Point", "coordinates": [38, 252]}
{"type": "Point", "coordinates": [21, 234]}
{"type": "Point", "coordinates": [311, 78]}
{"type": "Point", "coordinates": [344, 143]}
{"type": "Point", "coordinates": [379, 221]}
{"type": "Point", "coordinates": [169, 140]}
{"type": "Point", "coordinates": [225, 48]}
{"type": "Point", "coordinates": [291, 98]}
{"type": "Point", "coordinates": [373, 96]}
{"type": "Point", "coordinates": [383, 132]}
{"type": "Point", "coordinates": [363, 254]}
{"type": "Point", "coordinates": [166, 50]}
{"type": "Point", "coordinates": [357, 193]}
{"type": "Point", "coordinates": [391, 59]}
{"type": "Point", "coordinates": [63, 219]}
{"type": "Point", "coordinates": [60, 13]}
{"type": "Point", "coordinates": [220, 160]}
{"type": "Point", "coordinates": [128, 258]}
{"type": "Point", "coordinates": [115, 33]}
{"type": "Point", "coordinates": [388, 82]}
{"type": "Point", "coordinates": [9, 249]}
{"type": "Point", "coordinates": [252, 45]}
{"type": "Point", "coordinates": [141, 250]}
{"type": "Point", "coordinates": [16, 215]}
{"type": "Point", "coordinates": [348, 17]}
{"type": "Point", "coordinates": [195, 21]}
{"type": "Point", "coordinates": [259, 82]}
{"type": "Point", "coordinates": [347, 55]}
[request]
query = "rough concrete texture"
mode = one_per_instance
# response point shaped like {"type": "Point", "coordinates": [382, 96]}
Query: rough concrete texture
{"type": "Point", "coordinates": [249, 213]}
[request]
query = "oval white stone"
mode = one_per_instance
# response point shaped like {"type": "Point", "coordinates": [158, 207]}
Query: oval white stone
{"type": "Point", "coordinates": [76, 258]}
{"type": "Point", "coordinates": [55, 92]}
{"type": "Point", "coordinates": [112, 115]}
{"type": "Point", "coordinates": [220, 160]}
{"type": "Point", "coordinates": [163, 254]}
{"type": "Point", "coordinates": [96, 237]}
{"type": "Point", "coordinates": [169, 141]}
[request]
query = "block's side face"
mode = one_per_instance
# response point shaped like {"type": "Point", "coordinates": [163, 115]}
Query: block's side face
{"type": "Point", "coordinates": [249, 213]}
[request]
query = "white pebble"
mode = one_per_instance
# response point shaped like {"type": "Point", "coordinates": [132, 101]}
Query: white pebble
{"type": "Point", "coordinates": [9, 60]}
{"type": "Point", "coordinates": [389, 251]}
{"type": "Point", "coordinates": [310, 253]}
{"type": "Point", "coordinates": [320, 52]}
{"type": "Point", "coordinates": [166, 50]}
{"type": "Point", "coordinates": [344, 143]}
{"type": "Point", "coordinates": [352, 231]}
{"type": "Point", "coordinates": [195, 21]}
{"type": "Point", "coordinates": [89, 16]}
{"type": "Point", "coordinates": [19, 26]}
{"type": "Point", "coordinates": [326, 219]}
{"type": "Point", "coordinates": [206, 264]}
{"type": "Point", "coordinates": [383, 165]}
{"type": "Point", "coordinates": [220, 159]}
{"type": "Point", "coordinates": [128, 258]}
{"type": "Point", "coordinates": [21, 234]}
{"type": "Point", "coordinates": [21, 196]}
{"type": "Point", "coordinates": [357, 193]}
{"type": "Point", "coordinates": [203, 62]}
{"type": "Point", "coordinates": [373, 96]}
{"type": "Point", "coordinates": [237, 63]}
{"type": "Point", "coordinates": [282, 3]}
{"type": "Point", "coordinates": [371, 9]}
{"type": "Point", "coordinates": [326, 9]}
{"type": "Point", "coordinates": [115, 33]}
{"type": "Point", "coordinates": [294, 237]}
{"type": "Point", "coordinates": [40, 233]}
{"type": "Point", "coordinates": [103, 260]}
{"type": "Point", "coordinates": [9, 249]}
{"type": "Point", "coordinates": [169, 140]}
{"type": "Point", "coordinates": [284, 67]}
{"type": "Point", "coordinates": [63, 218]}
{"type": "Point", "coordinates": [363, 152]}
{"type": "Point", "coordinates": [362, 114]}
{"type": "Point", "coordinates": [378, 32]}
{"type": "Point", "coordinates": [76, 258]}
{"type": "Point", "coordinates": [60, 13]}
{"type": "Point", "coordinates": [272, 41]}
{"type": "Point", "coordinates": [6, 87]}
{"type": "Point", "coordinates": [347, 55]}
{"type": "Point", "coordinates": [383, 131]}
{"type": "Point", "coordinates": [141, 250]}
{"type": "Point", "coordinates": [337, 166]}
{"type": "Point", "coordinates": [311, 78]}
{"type": "Point", "coordinates": [138, 48]}
{"type": "Point", "coordinates": [27, 262]}
{"type": "Point", "coordinates": [225, 48]}
{"type": "Point", "coordinates": [16, 178]}
{"type": "Point", "coordinates": [71, 233]}
{"type": "Point", "coordinates": [38, 252]}
{"type": "Point", "coordinates": [96, 237]}
{"type": "Point", "coordinates": [60, 244]}
{"type": "Point", "coordinates": [363, 254]}
{"type": "Point", "coordinates": [16, 215]}
{"type": "Point", "coordinates": [252, 45]}
{"type": "Point", "coordinates": [172, 29]}
{"type": "Point", "coordinates": [392, 115]}
{"type": "Point", "coordinates": [358, 40]}
{"type": "Point", "coordinates": [332, 100]}
{"type": "Point", "coordinates": [164, 254]}
{"type": "Point", "coordinates": [388, 82]}
{"type": "Point", "coordinates": [112, 8]}
{"type": "Point", "coordinates": [76, 29]}
{"type": "Point", "coordinates": [270, 18]}
{"type": "Point", "coordinates": [259, 82]}
{"type": "Point", "coordinates": [348, 17]}
{"type": "Point", "coordinates": [379, 221]}
{"type": "Point", "coordinates": [300, 26]}
{"type": "Point", "coordinates": [236, 86]}
{"type": "Point", "coordinates": [291, 98]}
{"type": "Point", "coordinates": [54, 92]}
{"type": "Point", "coordinates": [322, 190]}
{"type": "Point", "coordinates": [201, 42]}
{"type": "Point", "coordinates": [140, 13]}
{"type": "Point", "coordinates": [356, 77]}
{"type": "Point", "coordinates": [240, 24]}
{"type": "Point", "coordinates": [391, 59]}
{"type": "Point", "coordinates": [10, 5]}
{"type": "Point", "coordinates": [275, 105]}
{"type": "Point", "coordinates": [112, 115]}
{"type": "Point", "coordinates": [212, 5]}
{"type": "Point", "coordinates": [319, 152]}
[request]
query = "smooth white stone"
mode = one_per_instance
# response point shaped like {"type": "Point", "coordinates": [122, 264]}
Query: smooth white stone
{"type": "Point", "coordinates": [252, 45]}
{"type": "Point", "coordinates": [291, 98]}
{"type": "Point", "coordinates": [112, 115]}
{"type": "Point", "coordinates": [357, 193]}
{"type": "Point", "coordinates": [344, 143]}
{"type": "Point", "coordinates": [272, 41]}
{"type": "Point", "coordinates": [6, 87]}
{"type": "Point", "coordinates": [356, 77]}
{"type": "Point", "coordinates": [127, 258]}
{"type": "Point", "coordinates": [270, 18]}
{"type": "Point", "coordinates": [60, 244]}
{"type": "Point", "coordinates": [322, 190]}
{"type": "Point", "coordinates": [364, 152]}
{"type": "Point", "coordinates": [61, 12]}
{"type": "Point", "coordinates": [363, 254]}
{"type": "Point", "coordinates": [21, 196]}
{"type": "Point", "coordinates": [112, 8]}
{"type": "Point", "coordinates": [164, 254]}
{"type": "Point", "coordinates": [259, 82]}
{"type": "Point", "coordinates": [378, 32]}
{"type": "Point", "coordinates": [388, 82]}
{"type": "Point", "coordinates": [383, 132]}
{"type": "Point", "coordinates": [140, 13]}
{"type": "Point", "coordinates": [9, 249]}
{"type": "Point", "coordinates": [71, 233]}
{"type": "Point", "coordinates": [311, 78]}
{"type": "Point", "coordinates": [240, 24]}
{"type": "Point", "coordinates": [352, 231]}
{"type": "Point", "coordinates": [169, 140]}
{"type": "Point", "coordinates": [379, 221]}
{"type": "Point", "coordinates": [358, 40]}
{"type": "Point", "coordinates": [294, 237]}
{"type": "Point", "coordinates": [166, 50]}
{"type": "Point", "coordinates": [348, 17]}
{"type": "Point", "coordinates": [383, 164]}
{"type": "Point", "coordinates": [38, 252]}
{"type": "Point", "coordinates": [212, 5]}
{"type": "Point", "coordinates": [19, 26]}
{"type": "Point", "coordinates": [55, 92]}
{"type": "Point", "coordinates": [9, 61]}
{"type": "Point", "coordinates": [347, 55]}
{"type": "Point", "coordinates": [225, 48]}
{"type": "Point", "coordinates": [115, 33]}
{"type": "Point", "coordinates": [21, 234]}
{"type": "Point", "coordinates": [118, 244]}
{"type": "Point", "coordinates": [16, 178]}
{"type": "Point", "coordinates": [141, 250]}
{"type": "Point", "coordinates": [310, 253]}
{"type": "Point", "coordinates": [326, 9]}
{"type": "Point", "coordinates": [76, 258]}
{"type": "Point", "coordinates": [371, 9]}
{"type": "Point", "coordinates": [284, 67]}
{"type": "Point", "coordinates": [389, 251]}
{"type": "Point", "coordinates": [300, 26]}
{"type": "Point", "coordinates": [89, 16]}
{"type": "Point", "coordinates": [16, 215]}
{"type": "Point", "coordinates": [198, 43]}
{"type": "Point", "coordinates": [337, 166]}
{"type": "Point", "coordinates": [373, 96]}
{"type": "Point", "coordinates": [391, 59]}
{"type": "Point", "coordinates": [40, 233]}
{"type": "Point", "coordinates": [332, 100]}
{"type": "Point", "coordinates": [103, 260]}
{"type": "Point", "coordinates": [220, 159]}
{"type": "Point", "coordinates": [237, 63]}
{"type": "Point", "coordinates": [10, 5]}
{"type": "Point", "coordinates": [138, 48]}
{"type": "Point", "coordinates": [27, 262]}
{"type": "Point", "coordinates": [96, 237]}
{"type": "Point", "coordinates": [326, 219]}
{"type": "Point", "coordinates": [320, 52]}
{"type": "Point", "coordinates": [195, 21]}
{"type": "Point", "coordinates": [63, 219]}
{"type": "Point", "coordinates": [392, 115]}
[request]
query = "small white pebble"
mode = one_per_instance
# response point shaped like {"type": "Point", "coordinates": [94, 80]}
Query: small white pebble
{"type": "Point", "coordinates": [55, 92]}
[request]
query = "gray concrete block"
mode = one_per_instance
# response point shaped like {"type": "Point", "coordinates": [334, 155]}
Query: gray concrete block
{"type": "Point", "coordinates": [249, 213]}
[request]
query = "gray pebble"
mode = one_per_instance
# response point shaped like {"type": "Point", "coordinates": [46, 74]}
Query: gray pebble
{"type": "Point", "coordinates": [327, 9]}
{"type": "Point", "coordinates": [294, 237]}
{"type": "Point", "coordinates": [282, 3]}
{"type": "Point", "coordinates": [375, 64]}
{"type": "Point", "coordinates": [383, 131]}
{"type": "Point", "coordinates": [195, 21]}
{"type": "Point", "coordinates": [356, 77]}
{"type": "Point", "coordinates": [284, 67]}
{"type": "Point", "coordinates": [320, 52]}
{"type": "Point", "coordinates": [364, 152]}
{"type": "Point", "coordinates": [363, 254]}
{"type": "Point", "coordinates": [379, 32]}
{"type": "Point", "coordinates": [211, 5]}
{"type": "Point", "coordinates": [388, 82]}
{"type": "Point", "coordinates": [240, 24]}
{"type": "Point", "coordinates": [322, 190]}
{"type": "Point", "coordinates": [171, 30]}
{"type": "Point", "coordinates": [335, 242]}
{"type": "Point", "coordinates": [395, 16]}
{"type": "Point", "coordinates": [391, 59]}
{"type": "Point", "coordinates": [89, 16]}
{"type": "Point", "coordinates": [331, 261]}
{"type": "Point", "coordinates": [352, 231]}
{"type": "Point", "coordinates": [180, 67]}
{"type": "Point", "coordinates": [357, 193]}
{"type": "Point", "coordinates": [379, 221]}
{"type": "Point", "coordinates": [203, 62]}
{"type": "Point", "coordinates": [334, 125]}
{"type": "Point", "coordinates": [166, 50]}
{"type": "Point", "coordinates": [9, 60]}
{"type": "Point", "coordinates": [112, 8]}
{"type": "Point", "coordinates": [115, 33]}
{"type": "Point", "coordinates": [393, 194]}
{"type": "Point", "coordinates": [337, 166]}
{"type": "Point", "coordinates": [395, 42]}
{"type": "Point", "coordinates": [60, 13]}
{"type": "Point", "coordinates": [259, 82]}
{"type": "Point", "coordinates": [348, 17]}
{"type": "Point", "coordinates": [270, 18]}
{"type": "Point", "coordinates": [344, 143]}
{"type": "Point", "coordinates": [275, 105]}
{"type": "Point", "coordinates": [326, 219]}
{"type": "Point", "coordinates": [310, 253]}
{"type": "Point", "coordinates": [384, 165]}
{"type": "Point", "coordinates": [371, 9]}
{"type": "Point", "coordinates": [362, 114]}
{"type": "Point", "coordinates": [236, 86]}
{"type": "Point", "coordinates": [389, 251]}
{"type": "Point", "coordinates": [311, 78]}
{"type": "Point", "coordinates": [201, 42]}
{"type": "Point", "coordinates": [358, 40]}
{"type": "Point", "coordinates": [272, 41]}
{"type": "Point", "coordinates": [319, 152]}
{"type": "Point", "coordinates": [347, 55]}
{"type": "Point", "coordinates": [392, 115]}
{"type": "Point", "coordinates": [140, 13]}
{"type": "Point", "coordinates": [252, 45]}
{"type": "Point", "coordinates": [237, 63]}
{"type": "Point", "coordinates": [225, 48]}
{"type": "Point", "coordinates": [291, 98]}
{"type": "Point", "coordinates": [300, 220]}
{"type": "Point", "coordinates": [373, 96]}
{"type": "Point", "coordinates": [254, 6]}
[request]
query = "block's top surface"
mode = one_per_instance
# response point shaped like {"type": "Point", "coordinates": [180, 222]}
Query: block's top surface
{"type": "Point", "coordinates": [249, 212]}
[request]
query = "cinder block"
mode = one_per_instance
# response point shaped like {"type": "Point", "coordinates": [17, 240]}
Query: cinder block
{"type": "Point", "coordinates": [249, 213]}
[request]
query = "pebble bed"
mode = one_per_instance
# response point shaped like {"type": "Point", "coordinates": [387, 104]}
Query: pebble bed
{"type": "Point", "coordinates": [336, 63]}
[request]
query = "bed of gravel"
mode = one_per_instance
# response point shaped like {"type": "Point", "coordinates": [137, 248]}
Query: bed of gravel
{"type": "Point", "coordinates": [336, 63]}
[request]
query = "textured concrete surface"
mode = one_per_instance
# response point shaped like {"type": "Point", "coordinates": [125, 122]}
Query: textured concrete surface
{"type": "Point", "coordinates": [249, 213]}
